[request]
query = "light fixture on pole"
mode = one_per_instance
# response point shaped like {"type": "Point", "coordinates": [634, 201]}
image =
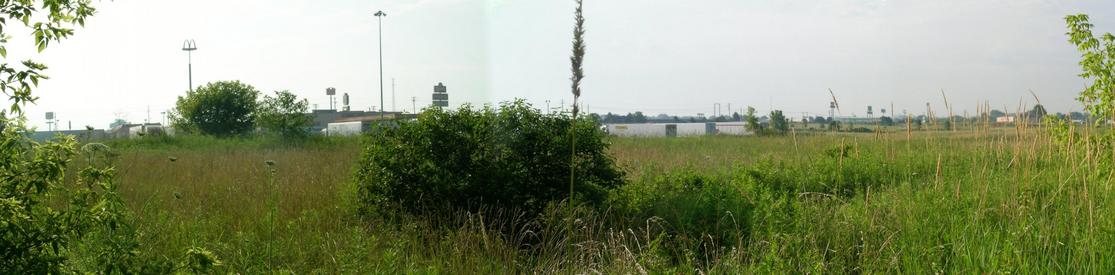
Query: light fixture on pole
{"type": "Point", "coordinates": [380, 15]}
{"type": "Point", "coordinates": [190, 46]}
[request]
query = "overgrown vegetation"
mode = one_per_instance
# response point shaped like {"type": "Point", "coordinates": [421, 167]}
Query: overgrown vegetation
{"type": "Point", "coordinates": [472, 190]}
{"type": "Point", "coordinates": [512, 158]}
{"type": "Point", "coordinates": [46, 226]}
{"type": "Point", "coordinates": [996, 201]}
{"type": "Point", "coordinates": [1098, 64]}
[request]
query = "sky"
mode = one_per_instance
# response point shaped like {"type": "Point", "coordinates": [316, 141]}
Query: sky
{"type": "Point", "coordinates": [655, 56]}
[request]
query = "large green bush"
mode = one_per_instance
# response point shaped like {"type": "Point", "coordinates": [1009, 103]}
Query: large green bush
{"type": "Point", "coordinates": [511, 158]}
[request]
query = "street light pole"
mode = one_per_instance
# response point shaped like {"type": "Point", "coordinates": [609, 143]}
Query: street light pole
{"type": "Point", "coordinates": [380, 15]}
{"type": "Point", "coordinates": [190, 46]}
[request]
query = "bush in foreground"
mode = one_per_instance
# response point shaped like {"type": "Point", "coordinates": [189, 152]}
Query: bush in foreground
{"type": "Point", "coordinates": [511, 158]}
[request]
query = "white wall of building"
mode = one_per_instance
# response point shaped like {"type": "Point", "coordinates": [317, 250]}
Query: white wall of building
{"type": "Point", "coordinates": [683, 129]}
{"type": "Point", "coordinates": [637, 130]}
{"type": "Point", "coordinates": [732, 128]}
{"type": "Point", "coordinates": [346, 128]}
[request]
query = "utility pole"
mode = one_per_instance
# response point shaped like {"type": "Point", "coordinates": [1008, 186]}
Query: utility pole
{"type": "Point", "coordinates": [380, 15]}
{"type": "Point", "coordinates": [414, 104]}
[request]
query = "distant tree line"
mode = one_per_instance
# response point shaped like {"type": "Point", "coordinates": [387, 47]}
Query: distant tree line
{"type": "Point", "coordinates": [1034, 114]}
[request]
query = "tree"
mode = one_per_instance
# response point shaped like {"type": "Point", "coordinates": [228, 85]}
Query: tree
{"type": "Point", "coordinates": [753, 121]}
{"type": "Point", "coordinates": [995, 114]}
{"type": "Point", "coordinates": [1077, 116]}
{"type": "Point", "coordinates": [1037, 113]}
{"type": "Point", "coordinates": [36, 231]}
{"type": "Point", "coordinates": [284, 114]}
{"type": "Point", "coordinates": [1098, 64]}
{"type": "Point", "coordinates": [117, 122]}
{"type": "Point", "coordinates": [637, 117]}
{"type": "Point", "coordinates": [886, 121]}
{"type": "Point", "coordinates": [821, 121]}
{"type": "Point", "coordinates": [779, 123]}
{"type": "Point", "coordinates": [223, 108]}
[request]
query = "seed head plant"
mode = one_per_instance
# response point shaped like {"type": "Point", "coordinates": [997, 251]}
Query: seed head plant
{"type": "Point", "coordinates": [577, 60]}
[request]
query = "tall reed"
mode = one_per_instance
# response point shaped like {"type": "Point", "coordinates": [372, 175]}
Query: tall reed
{"type": "Point", "coordinates": [577, 60]}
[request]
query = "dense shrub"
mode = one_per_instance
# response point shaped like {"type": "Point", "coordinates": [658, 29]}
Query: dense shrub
{"type": "Point", "coordinates": [701, 210]}
{"type": "Point", "coordinates": [513, 158]}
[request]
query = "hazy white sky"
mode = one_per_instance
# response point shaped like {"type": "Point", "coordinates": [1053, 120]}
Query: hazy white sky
{"type": "Point", "coordinates": [658, 56]}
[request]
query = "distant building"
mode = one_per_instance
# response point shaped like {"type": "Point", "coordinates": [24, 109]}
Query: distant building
{"type": "Point", "coordinates": [1004, 119]}
{"type": "Point", "coordinates": [347, 128]}
{"type": "Point", "coordinates": [677, 129]}
{"type": "Point", "coordinates": [80, 135]}
{"type": "Point", "coordinates": [441, 97]}
{"type": "Point", "coordinates": [322, 119]}
{"type": "Point", "coordinates": [139, 130]}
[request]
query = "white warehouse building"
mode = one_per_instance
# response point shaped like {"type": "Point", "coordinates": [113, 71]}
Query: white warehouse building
{"type": "Point", "coordinates": [677, 129]}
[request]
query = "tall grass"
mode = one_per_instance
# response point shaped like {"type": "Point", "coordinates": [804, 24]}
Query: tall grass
{"type": "Point", "coordinates": [992, 200]}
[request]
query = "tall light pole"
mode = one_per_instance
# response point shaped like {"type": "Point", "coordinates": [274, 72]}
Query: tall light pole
{"type": "Point", "coordinates": [380, 15]}
{"type": "Point", "coordinates": [190, 46]}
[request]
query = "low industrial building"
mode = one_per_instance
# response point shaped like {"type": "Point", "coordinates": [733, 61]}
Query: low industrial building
{"type": "Point", "coordinates": [129, 131]}
{"type": "Point", "coordinates": [677, 129]}
{"type": "Point", "coordinates": [80, 135]}
{"type": "Point", "coordinates": [351, 128]}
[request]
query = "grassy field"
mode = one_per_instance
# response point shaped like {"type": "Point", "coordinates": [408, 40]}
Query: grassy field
{"type": "Point", "coordinates": [984, 201]}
